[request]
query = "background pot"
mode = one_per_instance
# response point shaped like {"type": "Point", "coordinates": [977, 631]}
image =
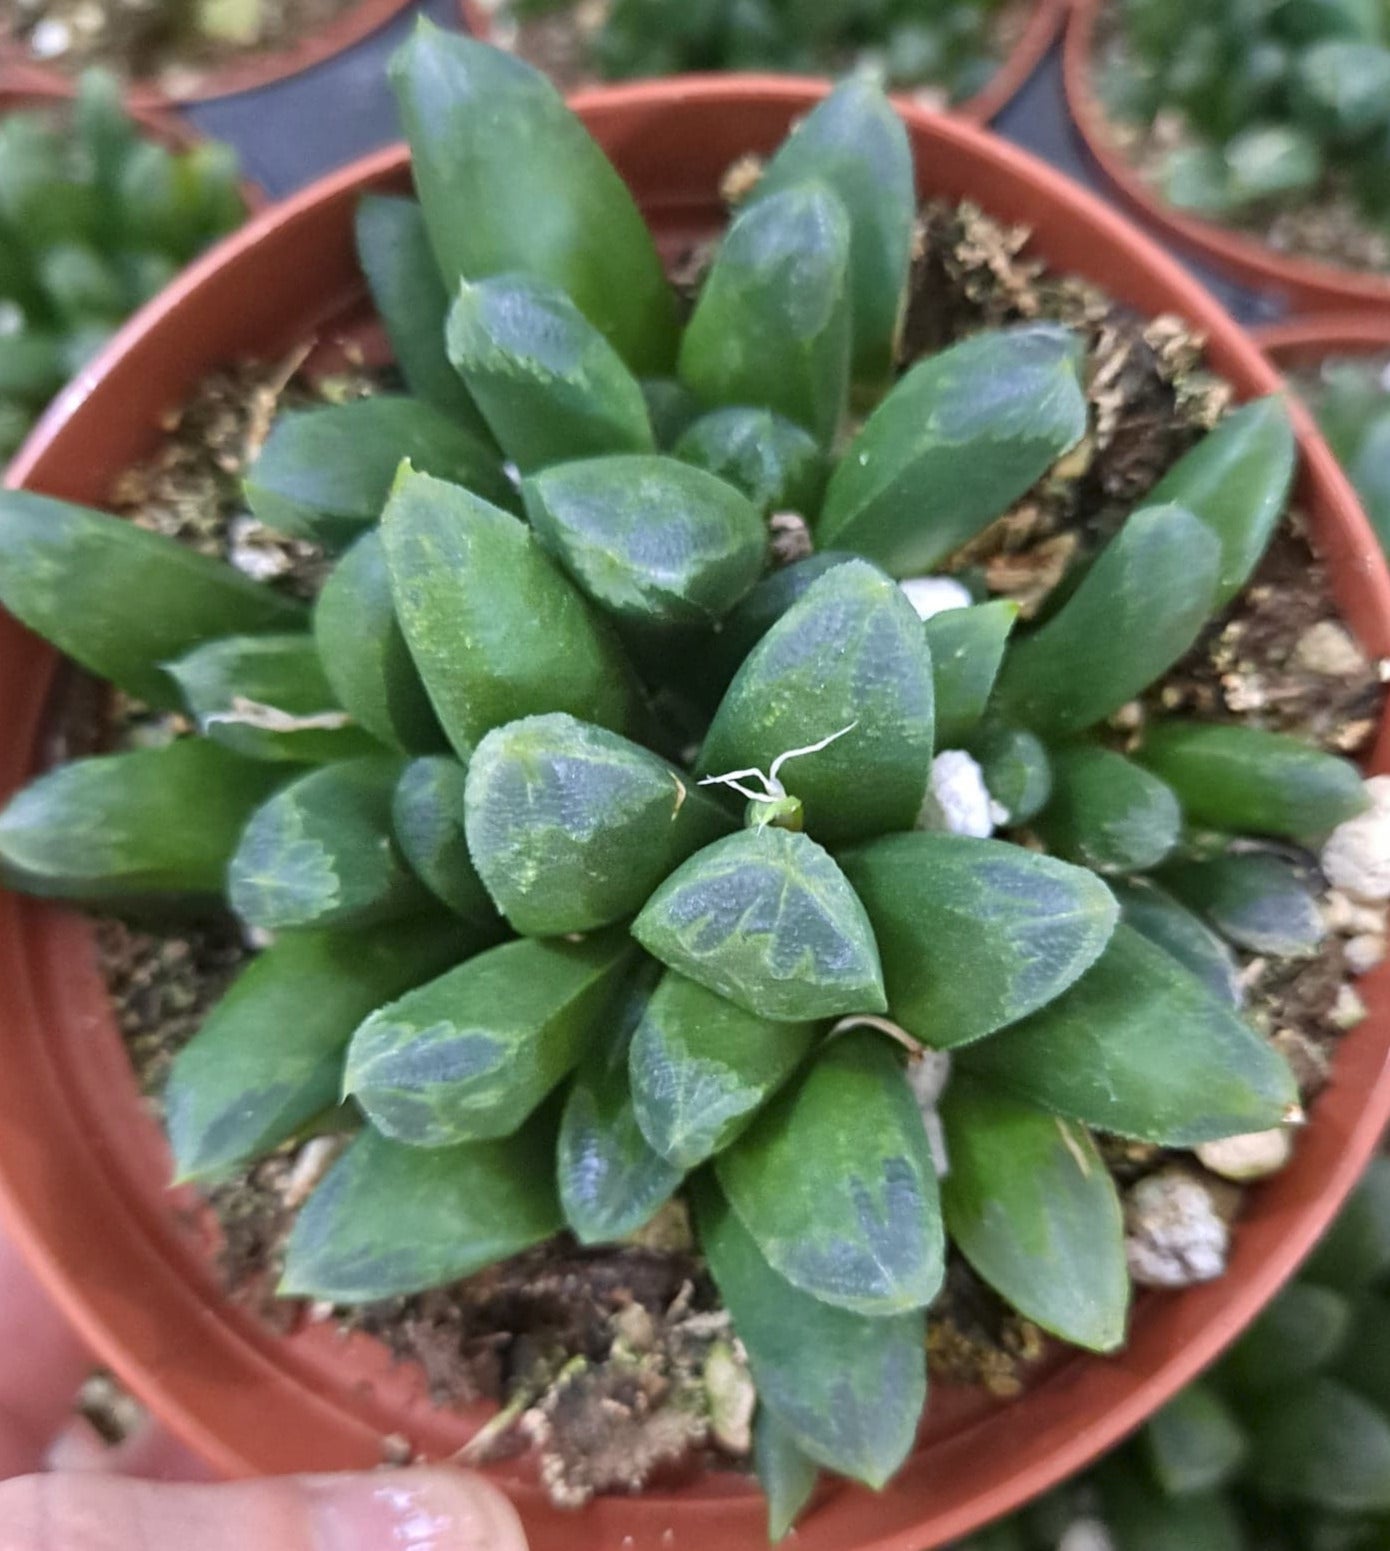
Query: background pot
{"type": "Point", "coordinates": [244, 72]}
{"type": "Point", "coordinates": [1044, 23]}
{"type": "Point", "coordinates": [1303, 284]}
{"type": "Point", "coordinates": [1306, 341]}
{"type": "Point", "coordinates": [83, 1166]}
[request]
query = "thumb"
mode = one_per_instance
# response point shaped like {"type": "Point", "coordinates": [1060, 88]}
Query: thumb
{"type": "Point", "coordinates": [424, 1510]}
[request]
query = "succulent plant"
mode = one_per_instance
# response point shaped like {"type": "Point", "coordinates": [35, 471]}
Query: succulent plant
{"type": "Point", "coordinates": [590, 847]}
{"type": "Point", "coordinates": [1352, 404]}
{"type": "Point", "coordinates": [1284, 98]}
{"type": "Point", "coordinates": [947, 44]}
{"type": "Point", "coordinates": [95, 218]}
{"type": "Point", "coordinates": [1283, 1446]}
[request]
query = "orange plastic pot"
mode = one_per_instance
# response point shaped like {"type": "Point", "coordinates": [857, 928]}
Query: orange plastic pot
{"type": "Point", "coordinates": [1303, 285]}
{"type": "Point", "coordinates": [1308, 340]}
{"type": "Point", "coordinates": [1044, 23]}
{"type": "Point", "coordinates": [246, 73]}
{"type": "Point", "coordinates": [82, 1165]}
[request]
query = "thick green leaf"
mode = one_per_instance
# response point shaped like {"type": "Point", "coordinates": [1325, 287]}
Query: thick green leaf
{"type": "Point", "coordinates": [1141, 1518]}
{"type": "Point", "coordinates": [701, 1068]}
{"type": "Point", "coordinates": [848, 1389]}
{"type": "Point", "coordinates": [649, 538]}
{"type": "Point", "coordinates": [611, 1181]}
{"type": "Point", "coordinates": [125, 828]}
{"type": "Point", "coordinates": [510, 181]}
{"type": "Point", "coordinates": [1364, 1361]}
{"type": "Point", "coordinates": [772, 326]}
{"type": "Point", "coordinates": [1159, 917]}
{"type": "Point", "coordinates": [1194, 1444]}
{"type": "Point", "coordinates": [267, 697]}
{"type": "Point", "coordinates": [1355, 1251]}
{"type": "Point", "coordinates": [571, 827]}
{"type": "Point", "coordinates": [1030, 1204]}
{"type": "Point", "coordinates": [269, 1057]}
{"type": "Point", "coordinates": [957, 441]}
{"type": "Point", "coordinates": [856, 143]}
{"type": "Point", "coordinates": [777, 465]}
{"type": "Point", "coordinates": [390, 1220]}
{"type": "Point", "coordinates": [551, 386]}
{"type": "Point", "coordinates": [976, 934]}
{"type": "Point", "coordinates": [120, 601]}
{"type": "Point", "coordinates": [320, 852]}
{"type": "Point", "coordinates": [671, 408]}
{"type": "Point", "coordinates": [1250, 781]}
{"type": "Point", "coordinates": [1016, 767]}
{"type": "Point", "coordinates": [495, 628]}
{"type": "Point", "coordinates": [1256, 900]}
{"type": "Point", "coordinates": [1341, 88]}
{"type": "Point", "coordinates": [470, 1055]}
{"type": "Point", "coordinates": [1140, 1047]}
{"type": "Point", "coordinates": [393, 248]}
{"type": "Point", "coordinates": [364, 654]}
{"type": "Point", "coordinates": [967, 648]}
{"type": "Point", "coordinates": [1322, 1444]}
{"type": "Point", "coordinates": [1298, 1335]}
{"type": "Point", "coordinates": [427, 820]}
{"type": "Point", "coordinates": [1108, 813]}
{"type": "Point", "coordinates": [849, 654]}
{"type": "Point", "coordinates": [1236, 479]}
{"type": "Point", "coordinates": [1136, 612]}
{"type": "Point", "coordinates": [835, 1182]}
{"type": "Point", "coordinates": [324, 474]}
{"type": "Point", "coordinates": [787, 1476]}
{"type": "Point", "coordinates": [767, 919]}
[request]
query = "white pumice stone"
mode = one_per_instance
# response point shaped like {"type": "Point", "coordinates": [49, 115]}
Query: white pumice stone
{"type": "Point", "coordinates": [958, 800]}
{"type": "Point", "coordinates": [1174, 1234]}
{"type": "Point", "coordinates": [1356, 855]}
{"type": "Point", "coordinates": [935, 594]}
{"type": "Point", "coordinates": [1255, 1155]}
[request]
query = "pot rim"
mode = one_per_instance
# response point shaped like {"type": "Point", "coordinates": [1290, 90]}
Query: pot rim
{"type": "Point", "coordinates": [247, 72]}
{"type": "Point", "coordinates": [1095, 1402]}
{"type": "Point", "coordinates": [1313, 335]}
{"type": "Point", "coordinates": [1306, 284]}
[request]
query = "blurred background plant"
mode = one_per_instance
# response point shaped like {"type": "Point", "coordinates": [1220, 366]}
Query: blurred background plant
{"type": "Point", "coordinates": [1351, 399]}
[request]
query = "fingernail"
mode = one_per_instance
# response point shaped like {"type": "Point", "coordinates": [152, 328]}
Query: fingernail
{"type": "Point", "coordinates": [411, 1510]}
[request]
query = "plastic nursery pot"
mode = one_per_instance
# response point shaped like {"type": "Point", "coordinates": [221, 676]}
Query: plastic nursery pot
{"type": "Point", "coordinates": [1301, 284]}
{"type": "Point", "coordinates": [240, 74]}
{"type": "Point", "coordinates": [83, 1167]}
{"type": "Point", "coordinates": [1045, 21]}
{"type": "Point", "coordinates": [1308, 340]}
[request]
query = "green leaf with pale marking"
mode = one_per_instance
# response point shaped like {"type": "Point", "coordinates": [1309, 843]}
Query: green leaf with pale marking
{"type": "Point", "coordinates": [847, 1388]}
{"type": "Point", "coordinates": [771, 329]}
{"type": "Point", "coordinates": [269, 1057]}
{"type": "Point", "coordinates": [120, 601]}
{"type": "Point", "coordinates": [1030, 1204]}
{"type": "Point", "coordinates": [364, 653]}
{"type": "Point", "coordinates": [408, 291]}
{"type": "Point", "coordinates": [1172, 927]}
{"type": "Point", "coordinates": [701, 1068]}
{"type": "Point", "coordinates": [320, 852]}
{"type": "Point", "coordinates": [496, 629]}
{"type": "Point", "coordinates": [470, 1055]}
{"type": "Point", "coordinates": [1322, 1444]}
{"type": "Point", "coordinates": [849, 654]}
{"type": "Point", "coordinates": [552, 387]}
{"type": "Point", "coordinates": [767, 919]}
{"type": "Point", "coordinates": [511, 181]}
{"type": "Point", "coordinates": [967, 649]}
{"type": "Point", "coordinates": [390, 1220]}
{"type": "Point", "coordinates": [1237, 480]}
{"type": "Point", "coordinates": [571, 827]}
{"type": "Point", "coordinates": [1249, 781]}
{"type": "Point", "coordinates": [266, 696]}
{"type": "Point", "coordinates": [1140, 1047]}
{"type": "Point", "coordinates": [856, 143]}
{"type": "Point", "coordinates": [1136, 612]}
{"type": "Point", "coordinates": [956, 442]}
{"type": "Point", "coordinates": [787, 1476]}
{"type": "Point", "coordinates": [1194, 1443]}
{"type": "Point", "coordinates": [324, 474]}
{"type": "Point", "coordinates": [777, 465]}
{"type": "Point", "coordinates": [976, 934]}
{"type": "Point", "coordinates": [835, 1182]}
{"type": "Point", "coordinates": [1106, 812]}
{"type": "Point", "coordinates": [1255, 899]}
{"type": "Point", "coordinates": [427, 821]}
{"type": "Point", "coordinates": [126, 829]}
{"type": "Point", "coordinates": [1016, 767]}
{"type": "Point", "coordinates": [649, 538]}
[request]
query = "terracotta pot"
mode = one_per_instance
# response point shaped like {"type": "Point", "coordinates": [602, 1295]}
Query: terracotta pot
{"type": "Point", "coordinates": [1306, 341]}
{"type": "Point", "coordinates": [82, 1165]}
{"type": "Point", "coordinates": [245, 72]}
{"type": "Point", "coordinates": [1044, 23]}
{"type": "Point", "coordinates": [1302, 284]}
